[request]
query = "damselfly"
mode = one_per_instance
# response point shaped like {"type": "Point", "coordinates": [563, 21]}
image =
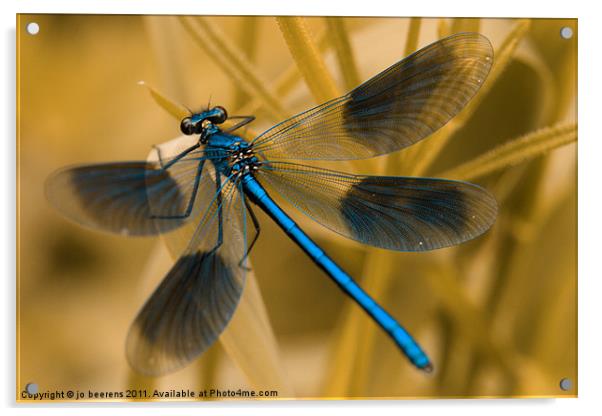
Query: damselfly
{"type": "Point", "coordinates": [205, 195]}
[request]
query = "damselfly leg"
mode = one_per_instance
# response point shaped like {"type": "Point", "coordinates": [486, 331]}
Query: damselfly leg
{"type": "Point", "coordinates": [190, 205]}
{"type": "Point", "coordinates": [176, 158]}
{"type": "Point", "coordinates": [246, 120]}
{"type": "Point", "coordinates": [255, 237]}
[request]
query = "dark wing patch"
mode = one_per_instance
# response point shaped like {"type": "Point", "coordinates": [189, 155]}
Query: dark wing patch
{"type": "Point", "coordinates": [396, 213]}
{"type": "Point", "coordinates": [185, 314]}
{"type": "Point", "coordinates": [124, 197]}
{"type": "Point", "coordinates": [416, 214]}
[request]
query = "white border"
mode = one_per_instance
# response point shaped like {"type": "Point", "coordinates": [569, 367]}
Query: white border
{"type": "Point", "coordinates": [461, 8]}
{"type": "Point", "coordinates": [590, 154]}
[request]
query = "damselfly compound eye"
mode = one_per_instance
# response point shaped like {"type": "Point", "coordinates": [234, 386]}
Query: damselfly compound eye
{"type": "Point", "coordinates": [187, 127]}
{"type": "Point", "coordinates": [222, 115]}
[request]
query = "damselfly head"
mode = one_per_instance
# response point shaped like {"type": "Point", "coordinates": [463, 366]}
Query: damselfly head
{"type": "Point", "coordinates": [195, 123]}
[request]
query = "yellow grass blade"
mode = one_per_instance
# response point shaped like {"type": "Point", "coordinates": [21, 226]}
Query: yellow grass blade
{"type": "Point", "coordinates": [249, 340]}
{"type": "Point", "coordinates": [231, 60]}
{"type": "Point", "coordinates": [515, 151]}
{"type": "Point", "coordinates": [443, 29]}
{"type": "Point", "coordinates": [465, 25]}
{"type": "Point", "coordinates": [289, 78]}
{"type": "Point", "coordinates": [413, 34]}
{"type": "Point", "coordinates": [171, 55]}
{"type": "Point", "coordinates": [247, 41]}
{"type": "Point", "coordinates": [177, 111]}
{"type": "Point", "coordinates": [472, 324]}
{"type": "Point", "coordinates": [285, 83]}
{"type": "Point", "coordinates": [340, 40]}
{"type": "Point", "coordinates": [465, 315]}
{"type": "Point", "coordinates": [308, 58]}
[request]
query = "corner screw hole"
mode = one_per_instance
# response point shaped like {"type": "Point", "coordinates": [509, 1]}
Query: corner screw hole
{"type": "Point", "coordinates": [566, 32]}
{"type": "Point", "coordinates": [32, 28]}
{"type": "Point", "coordinates": [566, 384]}
{"type": "Point", "coordinates": [31, 388]}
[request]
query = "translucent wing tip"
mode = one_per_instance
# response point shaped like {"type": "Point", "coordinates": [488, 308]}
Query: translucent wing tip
{"type": "Point", "coordinates": [486, 205]}
{"type": "Point", "coordinates": [473, 44]}
{"type": "Point", "coordinates": [476, 36]}
{"type": "Point", "coordinates": [141, 357]}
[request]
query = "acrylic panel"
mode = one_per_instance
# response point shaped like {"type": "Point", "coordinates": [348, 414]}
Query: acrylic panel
{"type": "Point", "coordinates": [476, 258]}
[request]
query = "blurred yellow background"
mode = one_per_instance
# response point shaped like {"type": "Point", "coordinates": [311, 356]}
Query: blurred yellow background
{"type": "Point", "coordinates": [497, 315]}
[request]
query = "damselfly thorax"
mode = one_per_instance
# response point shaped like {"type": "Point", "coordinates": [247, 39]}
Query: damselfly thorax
{"type": "Point", "coordinates": [232, 155]}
